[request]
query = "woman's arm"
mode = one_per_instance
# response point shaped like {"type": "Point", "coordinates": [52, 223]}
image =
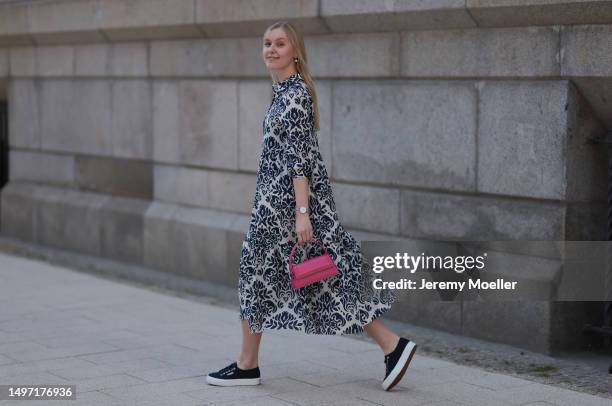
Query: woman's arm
{"type": "Point", "coordinates": [303, 228]}
{"type": "Point", "coordinates": [297, 119]}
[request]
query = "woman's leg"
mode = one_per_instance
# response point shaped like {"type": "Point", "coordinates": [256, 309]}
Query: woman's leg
{"type": "Point", "coordinates": [249, 356]}
{"type": "Point", "coordinates": [386, 339]}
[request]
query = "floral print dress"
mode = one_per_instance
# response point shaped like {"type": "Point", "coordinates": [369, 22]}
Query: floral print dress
{"type": "Point", "coordinates": [342, 304]}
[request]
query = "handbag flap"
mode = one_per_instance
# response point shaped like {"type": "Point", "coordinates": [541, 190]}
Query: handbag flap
{"type": "Point", "coordinates": [312, 266]}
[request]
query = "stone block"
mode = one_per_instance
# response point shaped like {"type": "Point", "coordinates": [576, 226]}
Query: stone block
{"type": "Point", "coordinates": [189, 241]}
{"type": "Point", "coordinates": [129, 59]}
{"type": "Point", "coordinates": [69, 21]}
{"type": "Point", "coordinates": [211, 11]}
{"type": "Point", "coordinates": [14, 25]}
{"type": "Point", "coordinates": [254, 98]}
{"type": "Point", "coordinates": [525, 324]}
{"type": "Point", "coordinates": [15, 40]}
{"type": "Point", "coordinates": [231, 191]}
{"type": "Point", "coordinates": [24, 113]}
{"type": "Point", "coordinates": [122, 20]}
{"type": "Point", "coordinates": [587, 164]}
{"type": "Point", "coordinates": [437, 215]}
{"type": "Point", "coordinates": [511, 52]}
{"type": "Point", "coordinates": [55, 60]}
{"type": "Point", "coordinates": [323, 89]}
{"type": "Point", "coordinates": [405, 133]}
{"type": "Point", "coordinates": [522, 133]}
{"type": "Point", "coordinates": [92, 59]}
{"type": "Point", "coordinates": [370, 208]}
{"type": "Point", "coordinates": [202, 253]}
{"type": "Point", "coordinates": [257, 28]}
{"type": "Point", "coordinates": [596, 91]}
{"type": "Point", "coordinates": [586, 221]}
{"type": "Point", "coordinates": [17, 217]}
{"type": "Point", "coordinates": [363, 236]}
{"type": "Point", "coordinates": [4, 62]}
{"type": "Point", "coordinates": [41, 167]}
{"type": "Point", "coordinates": [132, 119]}
{"type": "Point", "coordinates": [380, 15]}
{"type": "Point", "coordinates": [69, 219]}
{"type": "Point", "coordinates": [122, 228]}
{"type": "Point", "coordinates": [231, 19]}
{"type": "Point", "coordinates": [445, 316]}
{"type": "Point", "coordinates": [241, 224]}
{"type": "Point", "coordinates": [124, 177]}
{"type": "Point", "coordinates": [76, 116]}
{"type": "Point", "coordinates": [196, 122]}
{"type": "Point", "coordinates": [219, 57]}
{"type": "Point", "coordinates": [22, 61]}
{"type": "Point", "coordinates": [208, 122]}
{"type": "Point", "coordinates": [212, 189]}
{"type": "Point", "coordinates": [537, 277]}
{"type": "Point", "coordinates": [354, 55]}
{"type": "Point", "coordinates": [497, 13]}
{"type": "Point", "coordinates": [586, 50]}
{"type": "Point", "coordinates": [158, 250]}
{"type": "Point", "coordinates": [235, 236]}
{"type": "Point", "coordinates": [175, 184]}
{"type": "Point", "coordinates": [546, 249]}
{"type": "Point", "coordinates": [166, 132]}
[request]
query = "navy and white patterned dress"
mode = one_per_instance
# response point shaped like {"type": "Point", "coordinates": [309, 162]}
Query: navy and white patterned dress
{"type": "Point", "coordinates": [338, 305]}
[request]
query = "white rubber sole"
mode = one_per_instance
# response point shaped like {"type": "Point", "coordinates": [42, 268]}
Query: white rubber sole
{"type": "Point", "coordinates": [402, 364]}
{"type": "Point", "coordinates": [232, 382]}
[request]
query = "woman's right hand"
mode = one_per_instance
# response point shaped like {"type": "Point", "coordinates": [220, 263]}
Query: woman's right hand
{"type": "Point", "coordinates": [303, 228]}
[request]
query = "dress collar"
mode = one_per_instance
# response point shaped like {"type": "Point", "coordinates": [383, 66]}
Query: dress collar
{"type": "Point", "coordinates": [278, 87]}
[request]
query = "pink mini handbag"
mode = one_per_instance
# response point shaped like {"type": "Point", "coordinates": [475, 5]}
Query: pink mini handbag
{"type": "Point", "coordinates": [311, 270]}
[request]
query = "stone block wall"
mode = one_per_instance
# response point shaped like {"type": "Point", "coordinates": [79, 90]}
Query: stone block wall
{"type": "Point", "coordinates": [135, 131]}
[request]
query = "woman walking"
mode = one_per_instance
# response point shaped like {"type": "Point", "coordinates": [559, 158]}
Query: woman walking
{"type": "Point", "coordinates": [294, 204]}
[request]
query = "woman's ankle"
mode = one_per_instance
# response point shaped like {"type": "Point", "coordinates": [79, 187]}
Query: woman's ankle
{"type": "Point", "coordinates": [391, 346]}
{"type": "Point", "coordinates": [247, 364]}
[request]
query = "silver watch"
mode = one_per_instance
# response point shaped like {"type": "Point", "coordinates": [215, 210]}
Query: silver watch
{"type": "Point", "coordinates": [301, 209]}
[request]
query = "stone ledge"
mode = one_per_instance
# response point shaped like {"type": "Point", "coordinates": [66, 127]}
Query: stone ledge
{"type": "Point", "coordinates": [514, 13]}
{"type": "Point", "coordinates": [542, 52]}
{"type": "Point", "coordinates": [79, 21]}
{"type": "Point", "coordinates": [184, 240]}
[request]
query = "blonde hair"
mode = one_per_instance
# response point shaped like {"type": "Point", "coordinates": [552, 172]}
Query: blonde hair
{"type": "Point", "coordinates": [297, 41]}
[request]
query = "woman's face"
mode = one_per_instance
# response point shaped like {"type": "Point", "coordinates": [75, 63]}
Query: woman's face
{"type": "Point", "coordinates": [278, 52]}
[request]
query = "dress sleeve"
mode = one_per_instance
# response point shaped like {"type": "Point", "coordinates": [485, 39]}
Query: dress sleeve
{"type": "Point", "coordinates": [298, 122]}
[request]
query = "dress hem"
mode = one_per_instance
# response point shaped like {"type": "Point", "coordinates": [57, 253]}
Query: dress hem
{"type": "Point", "coordinates": [353, 330]}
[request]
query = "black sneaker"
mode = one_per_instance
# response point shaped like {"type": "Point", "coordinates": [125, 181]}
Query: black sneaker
{"type": "Point", "coordinates": [397, 361]}
{"type": "Point", "coordinates": [231, 375]}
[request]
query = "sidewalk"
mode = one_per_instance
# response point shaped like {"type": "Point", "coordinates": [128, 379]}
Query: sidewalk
{"type": "Point", "coordinates": [125, 345]}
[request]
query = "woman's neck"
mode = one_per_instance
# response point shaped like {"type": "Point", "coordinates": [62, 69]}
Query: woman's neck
{"type": "Point", "coordinates": [284, 75]}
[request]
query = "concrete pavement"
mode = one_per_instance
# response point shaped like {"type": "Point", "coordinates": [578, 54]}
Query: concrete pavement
{"type": "Point", "coordinates": [126, 345]}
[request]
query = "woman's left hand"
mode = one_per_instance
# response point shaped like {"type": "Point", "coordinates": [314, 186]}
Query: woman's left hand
{"type": "Point", "coordinates": [303, 228]}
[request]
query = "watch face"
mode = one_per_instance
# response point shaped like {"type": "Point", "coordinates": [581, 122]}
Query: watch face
{"type": "Point", "coordinates": [302, 210]}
